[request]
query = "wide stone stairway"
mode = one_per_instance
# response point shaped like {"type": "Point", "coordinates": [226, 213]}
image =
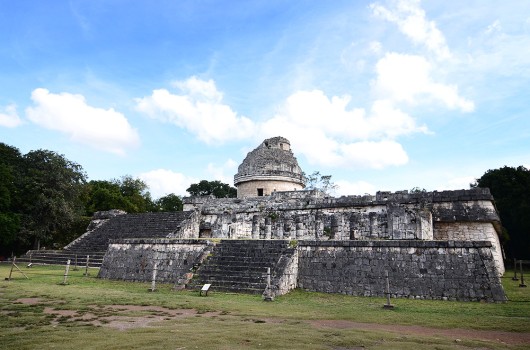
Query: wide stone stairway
{"type": "Point", "coordinates": [96, 241]}
{"type": "Point", "coordinates": [143, 225]}
{"type": "Point", "coordinates": [240, 265]}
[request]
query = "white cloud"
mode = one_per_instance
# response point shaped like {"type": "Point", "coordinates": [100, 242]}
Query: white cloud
{"type": "Point", "coordinates": [458, 183]}
{"type": "Point", "coordinates": [347, 188]}
{"type": "Point", "coordinates": [104, 129]}
{"type": "Point", "coordinates": [224, 173]}
{"type": "Point", "coordinates": [494, 27]}
{"type": "Point", "coordinates": [199, 109]}
{"type": "Point", "coordinates": [162, 182]}
{"type": "Point", "coordinates": [411, 21]}
{"type": "Point", "coordinates": [407, 78]}
{"type": "Point", "coordinates": [9, 117]}
{"type": "Point", "coordinates": [329, 133]}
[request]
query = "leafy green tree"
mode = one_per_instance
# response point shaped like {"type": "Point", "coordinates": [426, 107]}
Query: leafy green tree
{"type": "Point", "coordinates": [511, 189]}
{"type": "Point", "coordinates": [103, 195]}
{"type": "Point", "coordinates": [317, 181]}
{"type": "Point", "coordinates": [217, 188]}
{"type": "Point", "coordinates": [128, 194]}
{"type": "Point", "coordinates": [10, 161]}
{"type": "Point", "coordinates": [51, 195]}
{"type": "Point", "coordinates": [170, 202]}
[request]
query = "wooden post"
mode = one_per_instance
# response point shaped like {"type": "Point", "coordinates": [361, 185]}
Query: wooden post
{"type": "Point", "coordinates": [514, 278]}
{"type": "Point", "coordinates": [66, 270]}
{"type": "Point", "coordinates": [86, 267]}
{"type": "Point", "coordinates": [12, 266]}
{"type": "Point", "coordinates": [75, 266]}
{"type": "Point", "coordinates": [522, 275]}
{"type": "Point", "coordinates": [153, 279]}
{"type": "Point", "coordinates": [387, 305]}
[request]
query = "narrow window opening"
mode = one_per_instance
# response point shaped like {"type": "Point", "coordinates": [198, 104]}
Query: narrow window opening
{"type": "Point", "coordinates": [260, 192]}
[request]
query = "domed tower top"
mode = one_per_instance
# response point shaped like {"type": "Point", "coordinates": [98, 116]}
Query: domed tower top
{"type": "Point", "coordinates": [268, 168]}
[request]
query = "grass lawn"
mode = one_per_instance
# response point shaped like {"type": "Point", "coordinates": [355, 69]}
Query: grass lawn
{"type": "Point", "coordinates": [89, 313]}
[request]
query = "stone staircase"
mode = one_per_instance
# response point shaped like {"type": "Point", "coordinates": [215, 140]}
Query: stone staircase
{"type": "Point", "coordinates": [239, 265]}
{"type": "Point", "coordinates": [143, 225]}
{"type": "Point", "coordinates": [60, 257]}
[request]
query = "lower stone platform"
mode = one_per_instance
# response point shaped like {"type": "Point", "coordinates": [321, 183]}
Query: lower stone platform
{"type": "Point", "coordinates": [448, 270]}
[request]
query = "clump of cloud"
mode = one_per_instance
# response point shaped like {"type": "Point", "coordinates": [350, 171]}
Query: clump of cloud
{"type": "Point", "coordinates": [330, 133]}
{"type": "Point", "coordinates": [9, 117]}
{"type": "Point", "coordinates": [412, 21]}
{"type": "Point", "coordinates": [407, 78]}
{"type": "Point", "coordinates": [359, 188]}
{"type": "Point", "coordinates": [199, 109]}
{"type": "Point", "coordinates": [104, 129]}
{"type": "Point", "coordinates": [224, 172]}
{"type": "Point", "coordinates": [162, 182]}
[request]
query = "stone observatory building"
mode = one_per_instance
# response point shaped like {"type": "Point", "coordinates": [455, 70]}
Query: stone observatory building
{"type": "Point", "coordinates": [269, 168]}
{"type": "Point", "coordinates": [433, 245]}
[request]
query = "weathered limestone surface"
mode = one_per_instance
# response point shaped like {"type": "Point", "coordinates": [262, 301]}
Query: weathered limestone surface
{"type": "Point", "coordinates": [310, 215]}
{"type": "Point", "coordinates": [284, 276]}
{"type": "Point", "coordinates": [135, 259]}
{"type": "Point", "coordinates": [115, 224]}
{"type": "Point", "coordinates": [472, 231]}
{"type": "Point", "coordinates": [268, 168]}
{"type": "Point", "coordinates": [450, 270]}
{"type": "Point", "coordinates": [417, 269]}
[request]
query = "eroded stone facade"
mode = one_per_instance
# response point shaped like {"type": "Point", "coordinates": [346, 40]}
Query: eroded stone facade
{"type": "Point", "coordinates": [269, 168]}
{"type": "Point", "coordinates": [310, 215]}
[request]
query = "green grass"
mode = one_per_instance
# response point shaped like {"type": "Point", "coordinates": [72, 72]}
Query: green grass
{"type": "Point", "coordinates": [241, 321]}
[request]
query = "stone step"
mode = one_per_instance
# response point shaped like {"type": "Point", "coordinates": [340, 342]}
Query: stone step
{"type": "Point", "coordinates": [232, 270]}
{"type": "Point", "coordinates": [230, 286]}
{"type": "Point", "coordinates": [239, 265]}
{"type": "Point", "coordinates": [231, 277]}
{"type": "Point", "coordinates": [231, 289]}
{"type": "Point", "coordinates": [250, 262]}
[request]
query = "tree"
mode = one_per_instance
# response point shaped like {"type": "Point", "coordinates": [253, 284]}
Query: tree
{"type": "Point", "coordinates": [323, 183]}
{"type": "Point", "coordinates": [217, 188]}
{"type": "Point", "coordinates": [511, 189]}
{"type": "Point", "coordinates": [128, 194]}
{"type": "Point", "coordinates": [10, 166]}
{"type": "Point", "coordinates": [51, 195]}
{"type": "Point", "coordinates": [170, 202]}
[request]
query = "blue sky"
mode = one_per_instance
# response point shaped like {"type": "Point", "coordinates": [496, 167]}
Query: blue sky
{"type": "Point", "coordinates": [382, 95]}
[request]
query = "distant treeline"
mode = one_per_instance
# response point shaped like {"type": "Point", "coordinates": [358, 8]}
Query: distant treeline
{"type": "Point", "coordinates": [45, 199]}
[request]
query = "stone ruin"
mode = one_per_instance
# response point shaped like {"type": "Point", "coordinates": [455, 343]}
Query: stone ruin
{"type": "Point", "coordinates": [434, 245]}
{"type": "Point", "coordinates": [269, 168]}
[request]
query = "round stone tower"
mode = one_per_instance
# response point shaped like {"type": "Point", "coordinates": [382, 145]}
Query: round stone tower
{"type": "Point", "coordinates": [270, 167]}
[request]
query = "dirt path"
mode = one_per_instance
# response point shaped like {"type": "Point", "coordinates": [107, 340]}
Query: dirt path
{"type": "Point", "coordinates": [511, 338]}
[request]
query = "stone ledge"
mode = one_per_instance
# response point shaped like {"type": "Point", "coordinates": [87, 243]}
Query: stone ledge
{"type": "Point", "coordinates": [160, 241]}
{"type": "Point", "coordinates": [398, 244]}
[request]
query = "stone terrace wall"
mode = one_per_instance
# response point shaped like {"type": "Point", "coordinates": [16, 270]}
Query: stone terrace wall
{"type": "Point", "coordinates": [417, 269]}
{"type": "Point", "coordinates": [134, 259]}
{"type": "Point", "coordinates": [472, 231]}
